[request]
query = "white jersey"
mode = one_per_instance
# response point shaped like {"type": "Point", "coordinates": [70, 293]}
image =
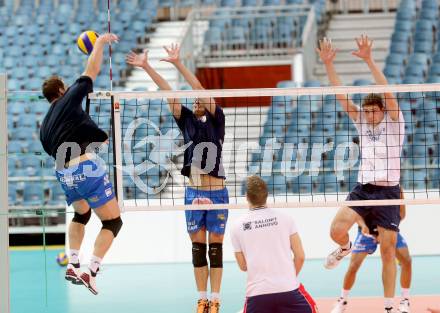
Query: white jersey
{"type": "Point", "coordinates": [263, 236]}
{"type": "Point", "coordinates": [380, 149]}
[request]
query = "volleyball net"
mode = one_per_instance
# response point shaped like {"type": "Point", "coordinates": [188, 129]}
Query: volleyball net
{"type": "Point", "coordinates": [299, 140]}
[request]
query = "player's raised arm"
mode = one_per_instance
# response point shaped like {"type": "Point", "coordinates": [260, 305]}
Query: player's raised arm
{"type": "Point", "coordinates": [95, 60]}
{"type": "Point", "coordinates": [141, 60]}
{"type": "Point", "coordinates": [174, 58]}
{"type": "Point", "coordinates": [327, 54]}
{"type": "Point", "coordinates": [364, 52]}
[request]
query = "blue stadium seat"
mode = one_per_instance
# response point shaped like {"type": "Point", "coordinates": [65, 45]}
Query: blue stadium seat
{"type": "Point", "coordinates": [236, 37]}
{"type": "Point", "coordinates": [429, 14]}
{"type": "Point", "coordinates": [362, 82]}
{"type": "Point", "coordinates": [408, 15]}
{"type": "Point", "coordinates": [393, 71]}
{"type": "Point", "coordinates": [33, 194]}
{"type": "Point", "coordinates": [415, 70]}
{"type": "Point", "coordinates": [399, 47]}
{"type": "Point", "coordinates": [283, 35]}
{"type": "Point", "coordinates": [402, 25]}
{"type": "Point", "coordinates": [413, 80]}
{"type": "Point", "coordinates": [423, 47]}
{"type": "Point", "coordinates": [424, 26]}
{"type": "Point", "coordinates": [27, 120]}
{"type": "Point", "coordinates": [14, 147]}
{"type": "Point", "coordinates": [423, 36]}
{"type": "Point", "coordinates": [419, 58]}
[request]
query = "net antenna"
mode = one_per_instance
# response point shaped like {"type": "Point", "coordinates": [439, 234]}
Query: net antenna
{"type": "Point", "coordinates": [324, 186]}
{"type": "Point", "coordinates": [4, 209]}
{"type": "Point", "coordinates": [110, 45]}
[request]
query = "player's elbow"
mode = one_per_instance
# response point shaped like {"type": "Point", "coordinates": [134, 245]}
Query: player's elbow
{"type": "Point", "coordinates": [92, 73]}
{"type": "Point", "coordinates": [243, 267]}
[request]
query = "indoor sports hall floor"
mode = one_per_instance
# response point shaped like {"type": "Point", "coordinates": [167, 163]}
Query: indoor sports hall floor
{"type": "Point", "coordinates": [38, 285]}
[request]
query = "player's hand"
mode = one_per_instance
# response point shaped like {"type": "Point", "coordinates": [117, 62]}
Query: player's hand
{"type": "Point", "coordinates": [173, 52]}
{"type": "Point", "coordinates": [433, 310]}
{"type": "Point", "coordinates": [364, 48]}
{"type": "Point", "coordinates": [107, 38]}
{"type": "Point", "coordinates": [139, 60]}
{"type": "Point", "coordinates": [326, 51]}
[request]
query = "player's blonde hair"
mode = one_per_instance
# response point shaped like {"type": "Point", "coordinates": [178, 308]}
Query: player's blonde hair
{"type": "Point", "coordinates": [256, 190]}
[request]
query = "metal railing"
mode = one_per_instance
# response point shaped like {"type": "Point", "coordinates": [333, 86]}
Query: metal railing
{"type": "Point", "coordinates": [364, 6]}
{"type": "Point", "coordinates": [228, 34]}
{"type": "Point", "coordinates": [199, 45]}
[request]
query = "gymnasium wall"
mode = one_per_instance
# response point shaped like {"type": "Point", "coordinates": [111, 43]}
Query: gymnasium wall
{"type": "Point", "coordinates": [153, 237]}
{"type": "Point", "coordinates": [241, 78]}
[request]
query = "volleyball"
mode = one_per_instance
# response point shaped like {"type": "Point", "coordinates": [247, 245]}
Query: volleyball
{"type": "Point", "coordinates": [86, 41]}
{"type": "Point", "coordinates": [62, 259]}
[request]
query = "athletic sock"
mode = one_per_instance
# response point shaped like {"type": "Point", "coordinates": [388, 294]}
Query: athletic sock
{"type": "Point", "coordinates": [203, 295]}
{"type": "Point", "coordinates": [389, 303]}
{"type": "Point", "coordinates": [405, 293]}
{"type": "Point", "coordinates": [215, 296]}
{"type": "Point", "coordinates": [74, 256]}
{"type": "Point", "coordinates": [344, 294]}
{"type": "Point", "coordinates": [346, 246]}
{"type": "Point", "coordinates": [95, 263]}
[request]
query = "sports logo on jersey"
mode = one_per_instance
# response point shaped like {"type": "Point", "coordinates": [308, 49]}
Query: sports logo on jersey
{"type": "Point", "coordinates": [375, 136]}
{"type": "Point", "coordinates": [108, 192]}
{"type": "Point", "coordinates": [221, 216]}
{"type": "Point", "coordinates": [94, 199]}
{"type": "Point", "coordinates": [247, 226]}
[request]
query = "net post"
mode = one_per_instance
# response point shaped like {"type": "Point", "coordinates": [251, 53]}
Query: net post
{"type": "Point", "coordinates": [117, 151]}
{"type": "Point", "coordinates": [4, 209]}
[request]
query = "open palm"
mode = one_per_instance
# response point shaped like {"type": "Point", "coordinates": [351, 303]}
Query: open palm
{"type": "Point", "coordinates": [173, 52]}
{"type": "Point", "coordinates": [326, 51]}
{"type": "Point", "coordinates": [138, 60]}
{"type": "Point", "coordinates": [364, 47]}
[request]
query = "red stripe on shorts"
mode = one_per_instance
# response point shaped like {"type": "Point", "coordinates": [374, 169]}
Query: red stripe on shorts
{"type": "Point", "coordinates": [308, 298]}
{"type": "Point", "coordinates": [245, 306]}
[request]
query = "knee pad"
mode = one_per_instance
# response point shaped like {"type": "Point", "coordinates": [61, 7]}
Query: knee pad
{"type": "Point", "coordinates": [82, 218]}
{"type": "Point", "coordinates": [113, 225]}
{"type": "Point", "coordinates": [216, 255]}
{"type": "Point", "coordinates": [199, 254]}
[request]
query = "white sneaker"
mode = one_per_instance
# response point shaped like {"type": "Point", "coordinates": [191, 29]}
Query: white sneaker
{"type": "Point", "coordinates": [404, 306]}
{"type": "Point", "coordinates": [336, 256]}
{"type": "Point", "coordinates": [340, 306]}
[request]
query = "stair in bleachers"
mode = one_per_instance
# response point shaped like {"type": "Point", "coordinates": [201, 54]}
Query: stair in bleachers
{"type": "Point", "coordinates": [343, 29]}
{"type": "Point", "coordinates": [166, 33]}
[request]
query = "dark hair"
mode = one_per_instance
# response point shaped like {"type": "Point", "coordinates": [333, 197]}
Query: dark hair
{"type": "Point", "coordinates": [373, 99]}
{"type": "Point", "coordinates": [51, 88]}
{"type": "Point", "coordinates": [256, 190]}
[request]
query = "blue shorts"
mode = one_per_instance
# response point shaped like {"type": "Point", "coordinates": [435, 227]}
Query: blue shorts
{"type": "Point", "coordinates": [386, 216]}
{"type": "Point", "coordinates": [86, 181]}
{"type": "Point", "coordinates": [296, 301]}
{"type": "Point", "coordinates": [213, 220]}
{"type": "Point", "coordinates": [365, 244]}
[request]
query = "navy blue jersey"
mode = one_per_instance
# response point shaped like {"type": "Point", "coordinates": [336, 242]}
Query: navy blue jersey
{"type": "Point", "coordinates": [66, 121]}
{"type": "Point", "coordinates": [202, 134]}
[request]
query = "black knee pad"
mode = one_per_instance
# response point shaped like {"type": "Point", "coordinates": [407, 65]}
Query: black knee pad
{"type": "Point", "coordinates": [216, 255]}
{"type": "Point", "coordinates": [113, 225]}
{"type": "Point", "coordinates": [82, 218]}
{"type": "Point", "coordinates": [199, 254]}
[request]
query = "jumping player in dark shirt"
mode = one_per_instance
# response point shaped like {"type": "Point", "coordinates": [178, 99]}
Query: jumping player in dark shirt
{"type": "Point", "coordinates": [70, 136]}
{"type": "Point", "coordinates": [203, 129]}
